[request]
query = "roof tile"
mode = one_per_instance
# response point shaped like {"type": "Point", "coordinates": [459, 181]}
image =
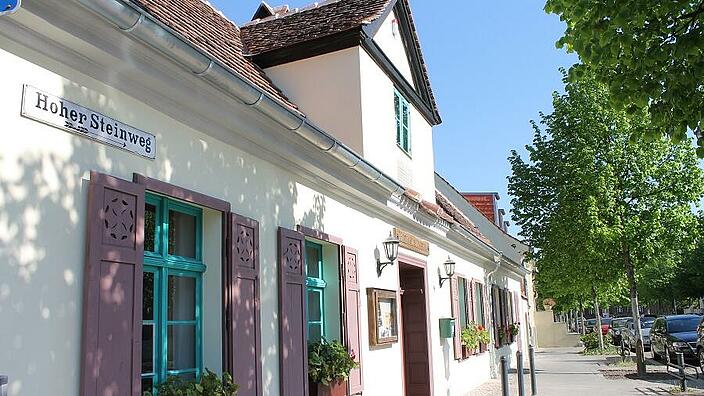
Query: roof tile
{"type": "Point", "coordinates": [208, 29]}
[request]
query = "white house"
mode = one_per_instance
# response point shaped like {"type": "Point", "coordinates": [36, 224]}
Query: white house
{"type": "Point", "coordinates": [179, 193]}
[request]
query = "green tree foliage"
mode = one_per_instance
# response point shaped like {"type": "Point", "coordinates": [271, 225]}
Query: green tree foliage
{"type": "Point", "coordinates": [650, 54]}
{"type": "Point", "coordinates": [601, 208]}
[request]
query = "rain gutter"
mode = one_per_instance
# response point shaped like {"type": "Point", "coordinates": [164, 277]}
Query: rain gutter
{"type": "Point", "coordinates": [138, 24]}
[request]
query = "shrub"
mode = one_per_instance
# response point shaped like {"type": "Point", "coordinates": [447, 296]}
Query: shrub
{"type": "Point", "coordinates": [209, 385]}
{"type": "Point", "coordinates": [590, 341]}
{"type": "Point", "coordinates": [329, 362]}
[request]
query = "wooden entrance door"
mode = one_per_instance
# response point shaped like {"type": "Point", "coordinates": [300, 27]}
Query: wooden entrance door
{"type": "Point", "coordinates": [415, 331]}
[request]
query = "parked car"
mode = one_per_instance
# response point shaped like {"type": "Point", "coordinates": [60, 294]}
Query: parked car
{"type": "Point", "coordinates": [590, 324]}
{"type": "Point", "coordinates": [675, 333]}
{"type": "Point", "coordinates": [605, 326]}
{"type": "Point", "coordinates": [628, 333]}
{"type": "Point", "coordinates": [617, 326]}
{"type": "Point", "coordinates": [700, 344]}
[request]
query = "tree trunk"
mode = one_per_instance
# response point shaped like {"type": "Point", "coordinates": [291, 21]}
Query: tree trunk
{"type": "Point", "coordinates": [630, 273]}
{"type": "Point", "coordinates": [597, 311]}
{"type": "Point", "coordinates": [582, 327]}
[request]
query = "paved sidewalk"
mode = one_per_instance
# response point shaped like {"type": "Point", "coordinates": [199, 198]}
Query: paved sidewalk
{"type": "Point", "coordinates": [565, 372]}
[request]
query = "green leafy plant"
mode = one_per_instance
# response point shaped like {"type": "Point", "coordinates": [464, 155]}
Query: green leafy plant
{"type": "Point", "coordinates": [590, 341]}
{"type": "Point", "coordinates": [513, 329]}
{"type": "Point", "coordinates": [329, 362]}
{"type": "Point", "coordinates": [209, 385]}
{"type": "Point", "coordinates": [473, 335]}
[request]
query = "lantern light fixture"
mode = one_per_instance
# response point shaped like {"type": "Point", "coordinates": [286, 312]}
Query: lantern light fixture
{"type": "Point", "coordinates": [449, 267]}
{"type": "Point", "coordinates": [390, 245]}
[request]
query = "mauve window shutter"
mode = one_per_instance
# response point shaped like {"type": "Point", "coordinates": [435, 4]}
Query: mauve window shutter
{"type": "Point", "coordinates": [496, 311]}
{"type": "Point", "coordinates": [455, 306]}
{"type": "Point", "coordinates": [293, 346]}
{"type": "Point", "coordinates": [111, 354]}
{"type": "Point", "coordinates": [355, 383]}
{"type": "Point", "coordinates": [244, 325]}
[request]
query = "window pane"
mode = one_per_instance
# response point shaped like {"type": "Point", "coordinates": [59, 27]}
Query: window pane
{"type": "Point", "coordinates": [181, 347]}
{"type": "Point", "coordinates": [313, 262]}
{"type": "Point", "coordinates": [314, 306]}
{"type": "Point", "coordinates": [148, 296]}
{"type": "Point", "coordinates": [149, 227]}
{"type": "Point", "coordinates": [315, 332]}
{"type": "Point", "coordinates": [147, 349]}
{"type": "Point", "coordinates": [182, 234]}
{"type": "Point", "coordinates": [182, 298]}
{"type": "Point", "coordinates": [478, 304]}
{"type": "Point", "coordinates": [406, 114]}
{"type": "Point", "coordinates": [147, 384]}
{"type": "Point", "coordinates": [463, 302]}
{"type": "Point", "coordinates": [188, 376]}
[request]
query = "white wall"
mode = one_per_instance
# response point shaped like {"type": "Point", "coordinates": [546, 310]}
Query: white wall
{"type": "Point", "coordinates": [43, 198]}
{"type": "Point", "coordinates": [42, 225]}
{"type": "Point", "coordinates": [393, 46]}
{"type": "Point", "coordinates": [326, 89]}
{"type": "Point", "coordinates": [452, 377]}
{"type": "Point", "coordinates": [415, 171]}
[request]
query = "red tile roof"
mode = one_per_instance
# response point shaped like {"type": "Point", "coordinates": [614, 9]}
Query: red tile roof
{"type": "Point", "coordinates": [326, 19]}
{"type": "Point", "coordinates": [459, 217]}
{"type": "Point", "coordinates": [309, 23]}
{"type": "Point", "coordinates": [209, 30]}
{"type": "Point", "coordinates": [484, 202]}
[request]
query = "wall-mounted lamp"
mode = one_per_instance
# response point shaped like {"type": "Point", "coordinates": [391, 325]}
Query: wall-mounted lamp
{"type": "Point", "coordinates": [449, 270]}
{"type": "Point", "coordinates": [391, 250]}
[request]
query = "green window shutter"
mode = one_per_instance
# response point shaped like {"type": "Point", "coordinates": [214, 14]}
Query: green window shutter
{"type": "Point", "coordinates": [402, 112]}
{"type": "Point", "coordinates": [406, 127]}
{"type": "Point", "coordinates": [397, 113]}
{"type": "Point", "coordinates": [463, 302]}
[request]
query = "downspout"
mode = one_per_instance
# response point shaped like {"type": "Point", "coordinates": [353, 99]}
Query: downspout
{"type": "Point", "coordinates": [493, 358]}
{"type": "Point", "coordinates": [142, 27]}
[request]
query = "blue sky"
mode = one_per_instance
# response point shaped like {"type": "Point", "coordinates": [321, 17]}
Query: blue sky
{"type": "Point", "coordinates": [493, 66]}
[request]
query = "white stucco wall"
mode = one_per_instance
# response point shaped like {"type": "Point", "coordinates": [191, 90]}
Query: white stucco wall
{"type": "Point", "coordinates": [415, 170]}
{"type": "Point", "coordinates": [326, 89]}
{"type": "Point", "coordinates": [452, 377]}
{"type": "Point", "coordinates": [43, 198]}
{"type": "Point", "coordinates": [42, 226]}
{"type": "Point", "coordinates": [390, 41]}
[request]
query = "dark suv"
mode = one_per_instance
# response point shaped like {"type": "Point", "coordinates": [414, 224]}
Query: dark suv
{"type": "Point", "coordinates": [676, 333]}
{"type": "Point", "coordinates": [700, 344]}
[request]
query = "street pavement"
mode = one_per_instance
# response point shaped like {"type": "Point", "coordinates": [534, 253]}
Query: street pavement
{"type": "Point", "coordinates": [565, 372]}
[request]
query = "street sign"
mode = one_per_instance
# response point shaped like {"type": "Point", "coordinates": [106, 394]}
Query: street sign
{"type": "Point", "coordinates": [9, 6]}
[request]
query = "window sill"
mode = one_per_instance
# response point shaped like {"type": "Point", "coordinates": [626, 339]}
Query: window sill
{"type": "Point", "coordinates": [404, 151]}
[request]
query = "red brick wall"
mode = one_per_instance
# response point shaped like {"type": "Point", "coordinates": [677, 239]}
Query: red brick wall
{"type": "Point", "coordinates": [484, 202]}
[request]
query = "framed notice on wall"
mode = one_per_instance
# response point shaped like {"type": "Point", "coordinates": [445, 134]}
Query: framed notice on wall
{"type": "Point", "coordinates": [383, 316]}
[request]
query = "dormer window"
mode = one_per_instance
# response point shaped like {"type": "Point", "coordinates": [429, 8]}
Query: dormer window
{"type": "Point", "coordinates": [403, 122]}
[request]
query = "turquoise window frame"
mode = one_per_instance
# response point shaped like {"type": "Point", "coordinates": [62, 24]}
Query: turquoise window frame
{"type": "Point", "coordinates": [163, 265]}
{"type": "Point", "coordinates": [315, 285]}
{"type": "Point", "coordinates": [402, 112]}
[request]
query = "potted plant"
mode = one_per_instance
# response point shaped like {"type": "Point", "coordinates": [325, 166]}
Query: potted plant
{"type": "Point", "coordinates": [473, 336]}
{"type": "Point", "coordinates": [209, 385]}
{"type": "Point", "coordinates": [329, 366]}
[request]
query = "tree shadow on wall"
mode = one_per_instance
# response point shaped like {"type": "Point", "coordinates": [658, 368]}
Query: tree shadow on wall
{"type": "Point", "coordinates": [43, 205]}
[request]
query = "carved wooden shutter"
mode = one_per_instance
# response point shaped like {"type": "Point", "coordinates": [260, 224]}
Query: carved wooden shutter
{"type": "Point", "coordinates": [293, 346]}
{"type": "Point", "coordinates": [243, 324]}
{"type": "Point", "coordinates": [112, 295]}
{"type": "Point", "coordinates": [455, 306]}
{"type": "Point", "coordinates": [355, 382]}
